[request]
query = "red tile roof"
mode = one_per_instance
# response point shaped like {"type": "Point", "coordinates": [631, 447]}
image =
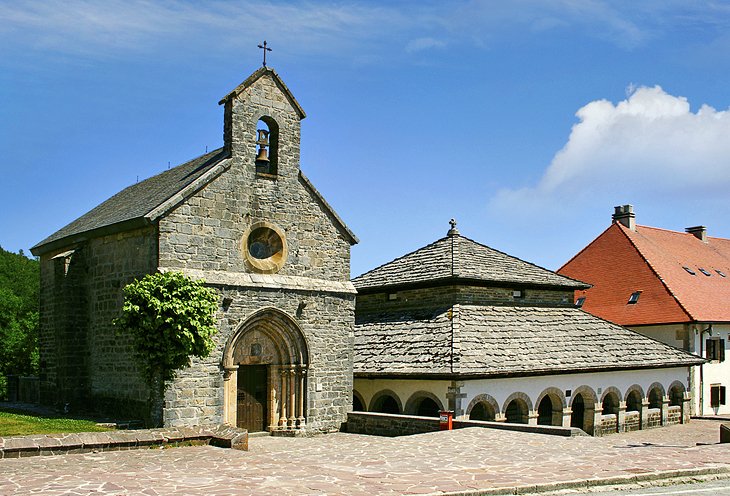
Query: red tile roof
{"type": "Point", "coordinates": [621, 261]}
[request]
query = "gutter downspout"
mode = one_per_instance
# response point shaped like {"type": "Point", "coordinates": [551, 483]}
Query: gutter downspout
{"type": "Point", "coordinates": [702, 365]}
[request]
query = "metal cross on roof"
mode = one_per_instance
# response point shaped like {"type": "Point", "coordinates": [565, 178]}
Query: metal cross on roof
{"type": "Point", "coordinates": [265, 49]}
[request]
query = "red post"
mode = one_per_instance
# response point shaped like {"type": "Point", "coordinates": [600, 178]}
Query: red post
{"type": "Point", "coordinates": [446, 420]}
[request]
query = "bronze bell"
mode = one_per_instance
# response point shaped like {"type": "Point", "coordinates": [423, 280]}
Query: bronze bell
{"type": "Point", "coordinates": [263, 138]}
{"type": "Point", "coordinates": [263, 155]}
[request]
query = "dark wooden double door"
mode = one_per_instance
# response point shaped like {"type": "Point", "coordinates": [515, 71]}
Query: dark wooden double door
{"type": "Point", "coordinates": [252, 389]}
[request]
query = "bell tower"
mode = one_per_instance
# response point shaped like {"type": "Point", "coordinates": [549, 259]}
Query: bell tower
{"type": "Point", "coordinates": [262, 126]}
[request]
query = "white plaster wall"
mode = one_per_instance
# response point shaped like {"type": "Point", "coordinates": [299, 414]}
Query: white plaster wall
{"type": "Point", "coordinates": [501, 389]}
{"type": "Point", "coordinates": [712, 372]}
{"type": "Point", "coordinates": [404, 389]}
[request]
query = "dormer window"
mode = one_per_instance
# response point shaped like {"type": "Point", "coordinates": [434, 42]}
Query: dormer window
{"type": "Point", "coordinates": [579, 302]}
{"type": "Point", "coordinates": [634, 298]}
{"type": "Point", "coordinates": [267, 147]}
{"type": "Point", "coordinates": [518, 294]}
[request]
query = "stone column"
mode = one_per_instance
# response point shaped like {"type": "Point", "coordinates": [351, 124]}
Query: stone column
{"type": "Point", "coordinates": [230, 395]}
{"type": "Point", "coordinates": [621, 417]}
{"type": "Point", "coordinates": [644, 413]}
{"type": "Point", "coordinates": [532, 417]}
{"type": "Point", "coordinates": [567, 414]}
{"type": "Point", "coordinates": [292, 397]}
{"type": "Point", "coordinates": [455, 397]}
{"type": "Point", "coordinates": [686, 407]}
{"type": "Point", "coordinates": [598, 419]}
{"type": "Point", "coordinates": [283, 378]}
{"type": "Point", "coordinates": [665, 409]}
{"type": "Point", "coordinates": [273, 410]}
{"type": "Point", "coordinates": [302, 382]}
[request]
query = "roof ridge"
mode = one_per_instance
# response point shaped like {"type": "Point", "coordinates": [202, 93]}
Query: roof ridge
{"type": "Point", "coordinates": [623, 229]}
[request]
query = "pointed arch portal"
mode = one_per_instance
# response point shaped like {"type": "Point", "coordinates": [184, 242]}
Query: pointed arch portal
{"type": "Point", "coordinates": [265, 373]}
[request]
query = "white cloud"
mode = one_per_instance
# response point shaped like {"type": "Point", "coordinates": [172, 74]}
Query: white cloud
{"type": "Point", "coordinates": [422, 44]}
{"type": "Point", "coordinates": [649, 146]}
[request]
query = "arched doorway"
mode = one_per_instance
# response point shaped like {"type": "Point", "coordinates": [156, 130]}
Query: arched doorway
{"type": "Point", "coordinates": [483, 411]}
{"type": "Point", "coordinates": [582, 404]}
{"type": "Point", "coordinates": [578, 417]}
{"type": "Point", "coordinates": [517, 411]}
{"type": "Point", "coordinates": [265, 366]}
{"type": "Point", "coordinates": [385, 403]}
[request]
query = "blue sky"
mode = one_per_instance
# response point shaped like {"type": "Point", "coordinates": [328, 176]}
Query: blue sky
{"type": "Point", "coordinates": [527, 121]}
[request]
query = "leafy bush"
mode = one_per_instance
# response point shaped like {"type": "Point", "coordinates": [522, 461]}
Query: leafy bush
{"type": "Point", "coordinates": [170, 319]}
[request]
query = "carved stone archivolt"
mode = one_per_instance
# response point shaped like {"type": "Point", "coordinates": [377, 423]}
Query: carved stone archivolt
{"type": "Point", "coordinates": [273, 339]}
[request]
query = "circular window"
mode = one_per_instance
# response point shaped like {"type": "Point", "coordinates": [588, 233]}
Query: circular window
{"type": "Point", "coordinates": [264, 247]}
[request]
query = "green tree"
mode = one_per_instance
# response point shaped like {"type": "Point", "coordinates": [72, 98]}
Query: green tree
{"type": "Point", "coordinates": [19, 288]}
{"type": "Point", "coordinates": [169, 318]}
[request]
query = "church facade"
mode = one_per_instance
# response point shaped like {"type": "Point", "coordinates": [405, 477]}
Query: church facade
{"type": "Point", "coordinates": [246, 220]}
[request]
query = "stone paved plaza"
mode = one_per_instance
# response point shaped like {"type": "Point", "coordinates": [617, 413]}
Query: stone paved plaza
{"type": "Point", "coordinates": [461, 460]}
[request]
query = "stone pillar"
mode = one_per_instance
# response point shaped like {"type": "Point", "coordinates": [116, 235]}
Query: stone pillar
{"type": "Point", "coordinates": [302, 381]}
{"type": "Point", "coordinates": [273, 410]}
{"type": "Point", "coordinates": [500, 417]}
{"type": "Point", "coordinates": [597, 419]}
{"type": "Point", "coordinates": [686, 407]}
{"type": "Point", "coordinates": [230, 395]}
{"type": "Point", "coordinates": [621, 417]}
{"type": "Point", "coordinates": [455, 397]}
{"type": "Point", "coordinates": [532, 417]}
{"type": "Point", "coordinates": [644, 413]}
{"type": "Point", "coordinates": [665, 409]}
{"type": "Point", "coordinates": [567, 414]}
{"type": "Point", "coordinates": [292, 397]}
{"type": "Point", "coordinates": [283, 379]}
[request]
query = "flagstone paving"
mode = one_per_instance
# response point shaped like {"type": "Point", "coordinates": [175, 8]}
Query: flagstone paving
{"type": "Point", "coordinates": [460, 460]}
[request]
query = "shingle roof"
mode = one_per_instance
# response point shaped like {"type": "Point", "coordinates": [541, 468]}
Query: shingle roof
{"type": "Point", "coordinates": [136, 201]}
{"type": "Point", "coordinates": [458, 257]}
{"type": "Point", "coordinates": [621, 261]}
{"type": "Point", "coordinates": [484, 341]}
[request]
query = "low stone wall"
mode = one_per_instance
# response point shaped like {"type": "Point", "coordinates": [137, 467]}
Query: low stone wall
{"type": "Point", "coordinates": [86, 442]}
{"type": "Point", "coordinates": [653, 418]}
{"type": "Point", "coordinates": [674, 415]}
{"type": "Point", "coordinates": [632, 421]}
{"type": "Point", "coordinates": [384, 424]}
{"type": "Point", "coordinates": [606, 427]}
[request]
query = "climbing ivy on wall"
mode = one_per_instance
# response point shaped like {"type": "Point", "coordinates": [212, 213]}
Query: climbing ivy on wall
{"type": "Point", "coordinates": [170, 318]}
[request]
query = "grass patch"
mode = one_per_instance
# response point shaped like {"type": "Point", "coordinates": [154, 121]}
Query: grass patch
{"type": "Point", "coordinates": [17, 424]}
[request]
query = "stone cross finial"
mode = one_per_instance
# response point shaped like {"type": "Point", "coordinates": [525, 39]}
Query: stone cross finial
{"type": "Point", "coordinates": [265, 49]}
{"type": "Point", "coordinates": [453, 231]}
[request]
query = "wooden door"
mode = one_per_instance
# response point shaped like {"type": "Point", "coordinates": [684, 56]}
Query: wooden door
{"type": "Point", "coordinates": [252, 387]}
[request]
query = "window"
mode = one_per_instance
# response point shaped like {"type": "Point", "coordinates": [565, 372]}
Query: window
{"type": "Point", "coordinates": [634, 297]}
{"type": "Point", "coordinates": [722, 274]}
{"type": "Point", "coordinates": [715, 349]}
{"type": "Point", "coordinates": [267, 147]}
{"type": "Point", "coordinates": [518, 293]}
{"type": "Point", "coordinates": [690, 271]}
{"type": "Point", "coordinates": [705, 272]}
{"type": "Point", "coordinates": [579, 302]}
{"type": "Point", "coordinates": [717, 395]}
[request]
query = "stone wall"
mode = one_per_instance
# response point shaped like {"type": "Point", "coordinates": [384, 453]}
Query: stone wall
{"type": "Point", "coordinates": [606, 427]}
{"type": "Point", "coordinates": [653, 418]}
{"type": "Point", "coordinates": [195, 397]}
{"type": "Point", "coordinates": [674, 415]}
{"type": "Point", "coordinates": [444, 296]}
{"type": "Point", "coordinates": [84, 363]}
{"type": "Point", "coordinates": [632, 421]}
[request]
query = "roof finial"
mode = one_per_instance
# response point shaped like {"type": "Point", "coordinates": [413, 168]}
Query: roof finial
{"type": "Point", "coordinates": [453, 231]}
{"type": "Point", "coordinates": [265, 49]}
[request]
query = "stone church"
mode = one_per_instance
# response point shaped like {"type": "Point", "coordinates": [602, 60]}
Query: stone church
{"type": "Point", "coordinates": [246, 220]}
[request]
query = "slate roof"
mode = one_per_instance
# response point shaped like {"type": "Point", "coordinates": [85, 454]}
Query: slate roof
{"type": "Point", "coordinates": [493, 341]}
{"type": "Point", "coordinates": [456, 257]}
{"type": "Point", "coordinates": [134, 202]}
{"type": "Point", "coordinates": [651, 260]}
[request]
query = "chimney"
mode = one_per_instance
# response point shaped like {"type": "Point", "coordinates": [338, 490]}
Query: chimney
{"type": "Point", "coordinates": [699, 232]}
{"type": "Point", "coordinates": [625, 215]}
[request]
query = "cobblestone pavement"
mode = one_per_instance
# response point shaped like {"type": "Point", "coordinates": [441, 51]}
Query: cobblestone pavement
{"type": "Point", "coordinates": [460, 460]}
